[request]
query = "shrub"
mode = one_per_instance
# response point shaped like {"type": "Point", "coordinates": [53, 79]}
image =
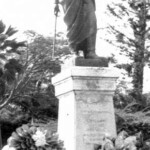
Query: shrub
{"type": "Point", "coordinates": [34, 138]}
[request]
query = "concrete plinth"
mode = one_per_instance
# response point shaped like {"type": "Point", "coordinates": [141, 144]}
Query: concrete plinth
{"type": "Point", "coordinates": [86, 111]}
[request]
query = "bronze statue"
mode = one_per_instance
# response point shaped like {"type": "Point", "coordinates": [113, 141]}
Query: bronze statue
{"type": "Point", "coordinates": [80, 18]}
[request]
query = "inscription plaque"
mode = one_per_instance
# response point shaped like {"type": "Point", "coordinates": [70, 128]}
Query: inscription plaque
{"type": "Point", "coordinates": [96, 118]}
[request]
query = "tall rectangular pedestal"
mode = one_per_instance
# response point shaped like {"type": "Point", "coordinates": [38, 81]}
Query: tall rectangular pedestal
{"type": "Point", "coordinates": [86, 112]}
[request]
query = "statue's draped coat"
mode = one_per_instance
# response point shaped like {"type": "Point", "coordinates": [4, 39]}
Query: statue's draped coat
{"type": "Point", "coordinates": [80, 20]}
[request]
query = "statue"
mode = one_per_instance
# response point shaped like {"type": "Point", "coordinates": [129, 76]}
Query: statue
{"type": "Point", "coordinates": [80, 18]}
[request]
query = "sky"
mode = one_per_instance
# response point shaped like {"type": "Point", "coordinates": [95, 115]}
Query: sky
{"type": "Point", "coordinates": [28, 14]}
{"type": "Point", "coordinates": [38, 15]}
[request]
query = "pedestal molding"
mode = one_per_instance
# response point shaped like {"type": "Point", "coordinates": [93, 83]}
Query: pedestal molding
{"type": "Point", "coordinates": [86, 111]}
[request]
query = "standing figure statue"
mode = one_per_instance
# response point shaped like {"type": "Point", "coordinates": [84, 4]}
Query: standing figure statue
{"type": "Point", "coordinates": [80, 18]}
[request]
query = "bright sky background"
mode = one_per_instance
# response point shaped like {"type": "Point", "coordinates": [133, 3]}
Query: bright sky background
{"type": "Point", "coordinates": [38, 15]}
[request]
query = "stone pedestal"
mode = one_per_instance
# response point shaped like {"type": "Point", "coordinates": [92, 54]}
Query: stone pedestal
{"type": "Point", "coordinates": [86, 111]}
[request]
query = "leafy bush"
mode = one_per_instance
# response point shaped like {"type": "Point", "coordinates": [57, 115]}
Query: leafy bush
{"type": "Point", "coordinates": [34, 138]}
{"type": "Point", "coordinates": [123, 142]}
{"type": "Point", "coordinates": [134, 117]}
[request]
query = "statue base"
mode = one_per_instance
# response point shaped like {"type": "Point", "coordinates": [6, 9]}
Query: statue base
{"type": "Point", "coordinates": [86, 111]}
{"type": "Point", "coordinates": [81, 61]}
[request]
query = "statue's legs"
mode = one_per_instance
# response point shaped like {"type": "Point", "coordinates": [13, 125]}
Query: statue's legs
{"type": "Point", "coordinates": [90, 51]}
{"type": "Point", "coordinates": [88, 44]}
{"type": "Point", "coordinates": [88, 47]}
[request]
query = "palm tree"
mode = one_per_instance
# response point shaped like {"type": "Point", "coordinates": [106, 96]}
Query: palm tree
{"type": "Point", "coordinates": [9, 64]}
{"type": "Point", "coordinates": [10, 67]}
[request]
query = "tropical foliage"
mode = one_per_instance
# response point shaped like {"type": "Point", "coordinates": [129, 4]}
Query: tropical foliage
{"type": "Point", "coordinates": [34, 138]}
{"type": "Point", "coordinates": [132, 16]}
{"type": "Point", "coordinates": [10, 67]}
{"type": "Point", "coordinates": [33, 99]}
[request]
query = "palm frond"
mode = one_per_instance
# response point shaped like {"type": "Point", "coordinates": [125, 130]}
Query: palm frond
{"type": "Point", "coordinates": [14, 64]}
{"type": "Point", "coordinates": [9, 75]}
{"type": "Point", "coordinates": [2, 27]}
{"type": "Point", "coordinates": [10, 31]}
{"type": "Point", "coordinates": [13, 45]}
{"type": "Point", "coordinates": [3, 37]}
{"type": "Point", "coordinates": [3, 57]}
